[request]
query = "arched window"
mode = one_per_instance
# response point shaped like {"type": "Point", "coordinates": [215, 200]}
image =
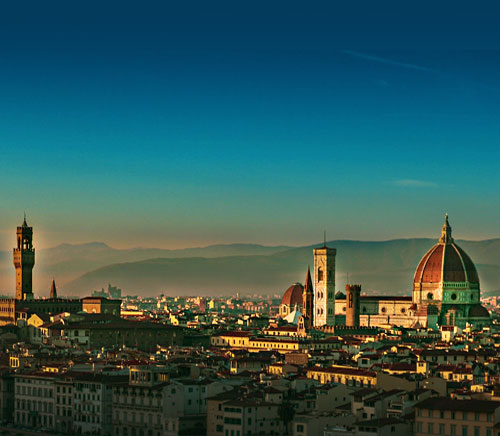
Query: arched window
{"type": "Point", "coordinates": [320, 274]}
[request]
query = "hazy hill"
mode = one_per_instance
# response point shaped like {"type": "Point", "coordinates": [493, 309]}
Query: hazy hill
{"type": "Point", "coordinates": [66, 262]}
{"type": "Point", "coordinates": [386, 266]}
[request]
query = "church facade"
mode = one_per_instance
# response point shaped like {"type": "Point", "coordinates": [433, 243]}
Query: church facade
{"type": "Point", "coordinates": [446, 291]}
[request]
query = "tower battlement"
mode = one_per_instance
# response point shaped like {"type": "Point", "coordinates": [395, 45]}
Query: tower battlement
{"type": "Point", "coordinates": [353, 293]}
{"type": "Point", "coordinates": [24, 261]}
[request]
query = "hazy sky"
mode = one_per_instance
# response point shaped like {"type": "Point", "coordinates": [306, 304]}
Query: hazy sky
{"type": "Point", "coordinates": [155, 124]}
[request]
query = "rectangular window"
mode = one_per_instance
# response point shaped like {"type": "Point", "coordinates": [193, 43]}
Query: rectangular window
{"type": "Point", "coordinates": [441, 428]}
{"type": "Point", "coordinates": [430, 428]}
{"type": "Point", "coordinates": [453, 430]}
{"type": "Point", "coordinates": [477, 431]}
{"type": "Point", "coordinates": [464, 429]}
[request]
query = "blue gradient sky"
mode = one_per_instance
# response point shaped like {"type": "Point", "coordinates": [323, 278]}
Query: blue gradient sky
{"type": "Point", "coordinates": [156, 124]}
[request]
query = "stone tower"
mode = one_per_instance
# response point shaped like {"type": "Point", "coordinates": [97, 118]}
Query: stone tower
{"type": "Point", "coordinates": [352, 294]}
{"type": "Point", "coordinates": [53, 290]}
{"type": "Point", "coordinates": [24, 260]}
{"type": "Point", "coordinates": [308, 301]}
{"type": "Point", "coordinates": [324, 286]}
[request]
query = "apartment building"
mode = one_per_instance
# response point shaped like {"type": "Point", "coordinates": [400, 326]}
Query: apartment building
{"type": "Point", "coordinates": [35, 400]}
{"type": "Point", "coordinates": [445, 416]}
{"type": "Point", "coordinates": [93, 402]}
{"type": "Point", "coordinates": [138, 404]}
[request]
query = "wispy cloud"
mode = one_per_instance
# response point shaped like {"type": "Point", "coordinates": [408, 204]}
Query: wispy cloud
{"type": "Point", "coordinates": [413, 183]}
{"type": "Point", "coordinates": [387, 61]}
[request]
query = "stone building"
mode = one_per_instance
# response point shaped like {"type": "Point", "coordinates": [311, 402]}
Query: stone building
{"type": "Point", "coordinates": [101, 305]}
{"type": "Point", "coordinates": [138, 404]}
{"type": "Point", "coordinates": [446, 291]}
{"type": "Point", "coordinates": [324, 286]}
{"type": "Point", "coordinates": [64, 404]}
{"type": "Point", "coordinates": [447, 281]}
{"type": "Point", "coordinates": [6, 396]}
{"type": "Point", "coordinates": [457, 417]}
{"type": "Point", "coordinates": [113, 331]}
{"type": "Point", "coordinates": [35, 400]}
{"type": "Point", "coordinates": [24, 261]}
{"type": "Point", "coordinates": [352, 305]}
{"type": "Point", "coordinates": [25, 304]}
{"type": "Point", "coordinates": [308, 302]}
{"type": "Point", "coordinates": [92, 402]}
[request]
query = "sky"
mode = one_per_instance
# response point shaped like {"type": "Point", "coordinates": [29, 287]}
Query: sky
{"type": "Point", "coordinates": [179, 124]}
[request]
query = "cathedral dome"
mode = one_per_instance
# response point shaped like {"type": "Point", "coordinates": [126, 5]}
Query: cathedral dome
{"type": "Point", "coordinates": [293, 295]}
{"type": "Point", "coordinates": [446, 262]}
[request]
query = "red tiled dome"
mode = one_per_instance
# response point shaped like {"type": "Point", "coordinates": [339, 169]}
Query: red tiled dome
{"type": "Point", "coordinates": [446, 262]}
{"type": "Point", "coordinates": [293, 295]}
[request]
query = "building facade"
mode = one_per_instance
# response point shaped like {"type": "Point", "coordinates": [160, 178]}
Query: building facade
{"type": "Point", "coordinates": [457, 417]}
{"type": "Point", "coordinates": [35, 400]}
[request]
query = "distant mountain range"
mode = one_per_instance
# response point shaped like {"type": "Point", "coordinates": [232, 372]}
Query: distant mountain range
{"type": "Point", "coordinates": [67, 262]}
{"type": "Point", "coordinates": [385, 267]}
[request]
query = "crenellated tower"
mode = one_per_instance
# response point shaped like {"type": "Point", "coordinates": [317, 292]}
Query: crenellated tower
{"type": "Point", "coordinates": [24, 260]}
{"type": "Point", "coordinates": [352, 293]}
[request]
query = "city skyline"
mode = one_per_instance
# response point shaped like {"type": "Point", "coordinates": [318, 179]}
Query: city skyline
{"type": "Point", "coordinates": [249, 218]}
